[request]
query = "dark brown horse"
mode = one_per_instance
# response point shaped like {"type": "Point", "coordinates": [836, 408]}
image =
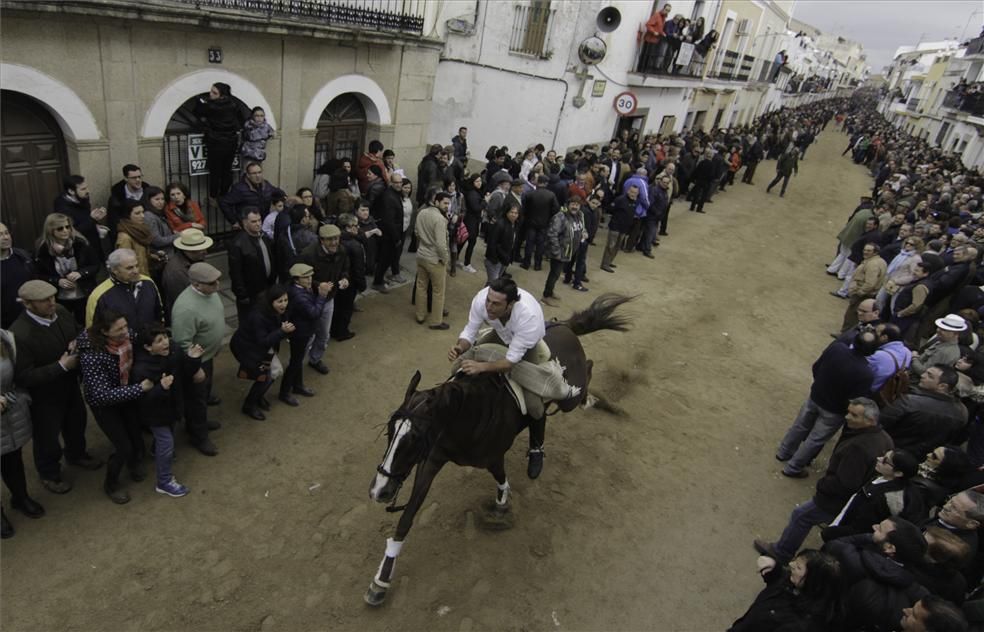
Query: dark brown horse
{"type": "Point", "coordinates": [471, 420]}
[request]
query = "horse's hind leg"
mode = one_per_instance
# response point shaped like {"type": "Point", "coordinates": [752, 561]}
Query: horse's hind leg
{"type": "Point", "coordinates": [498, 471]}
{"type": "Point", "coordinates": [376, 594]}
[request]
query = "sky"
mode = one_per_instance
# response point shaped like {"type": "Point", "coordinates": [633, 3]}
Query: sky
{"type": "Point", "coordinates": [881, 26]}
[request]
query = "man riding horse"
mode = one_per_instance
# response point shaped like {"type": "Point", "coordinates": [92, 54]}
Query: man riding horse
{"type": "Point", "coordinates": [516, 321]}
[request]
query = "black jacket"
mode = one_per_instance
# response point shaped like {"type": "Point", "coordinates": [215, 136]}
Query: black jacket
{"type": "Point", "coordinates": [852, 463]}
{"type": "Point", "coordinates": [160, 406]}
{"type": "Point", "coordinates": [15, 271]}
{"type": "Point", "coordinates": [922, 421]}
{"type": "Point", "coordinates": [86, 260]}
{"type": "Point", "coordinates": [251, 343]}
{"type": "Point", "coordinates": [356, 262]}
{"type": "Point", "coordinates": [428, 175]}
{"type": "Point", "coordinates": [247, 272]}
{"type": "Point", "coordinates": [38, 350]}
{"type": "Point", "coordinates": [116, 205]}
{"type": "Point", "coordinates": [304, 310]}
{"type": "Point", "coordinates": [242, 195]}
{"type": "Point", "coordinates": [875, 502]}
{"type": "Point", "coordinates": [221, 119]}
{"type": "Point", "coordinates": [704, 172]}
{"type": "Point", "coordinates": [778, 608]}
{"type": "Point", "coordinates": [327, 267]}
{"type": "Point", "coordinates": [839, 374]}
{"type": "Point", "coordinates": [387, 210]}
{"type": "Point", "coordinates": [538, 207]}
{"type": "Point", "coordinates": [500, 242]}
{"type": "Point", "coordinates": [79, 212]}
{"type": "Point", "coordinates": [623, 213]}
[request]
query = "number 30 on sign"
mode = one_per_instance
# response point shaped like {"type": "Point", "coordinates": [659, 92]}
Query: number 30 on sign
{"type": "Point", "coordinates": [626, 103]}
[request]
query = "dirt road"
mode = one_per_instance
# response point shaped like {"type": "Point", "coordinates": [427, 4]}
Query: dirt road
{"type": "Point", "coordinates": [640, 522]}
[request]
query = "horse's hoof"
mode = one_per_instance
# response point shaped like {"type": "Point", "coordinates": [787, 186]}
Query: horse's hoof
{"type": "Point", "coordinates": [375, 595]}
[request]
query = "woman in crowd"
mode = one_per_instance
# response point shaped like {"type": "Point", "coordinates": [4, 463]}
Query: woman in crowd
{"type": "Point", "coordinates": [409, 219]}
{"type": "Point", "coordinates": [803, 596]}
{"type": "Point", "coordinates": [500, 242]}
{"type": "Point", "coordinates": [339, 198]}
{"type": "Point", "coordinates": [15, 432]}
{"type": "Point", "coordinates": [65, 259]}
{"type": "Point", "coordinates": [161, 235]}
{"type": "Point", "coordinates": [16, 268]}
{"type": "Point", "coordinates": [455, 221]}
{"type": "Point", "coordinates": [310, 202]}
{"type": "Point", "coordinates": [181, 211]}
{"type": "Point", "coordinates": [106, 356]}
{"type": "Point", "coordinates": [222, 118]}
{"type": "Point", "coordinates": [134, 234]}
{"type": "Point", "coordinates": [475, 202]}
{"type": "Point", "coordinates": [255, 345]}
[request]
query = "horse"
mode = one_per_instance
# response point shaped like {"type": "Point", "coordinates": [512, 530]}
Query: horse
{"type": "Point", "coordinates": [472, 421]}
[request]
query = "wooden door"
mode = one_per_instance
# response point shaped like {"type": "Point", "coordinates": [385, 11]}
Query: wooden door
{"type": "Point", "coordinates": [33, 163]}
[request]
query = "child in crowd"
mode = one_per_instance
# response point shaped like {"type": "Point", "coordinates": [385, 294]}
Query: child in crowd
{"type": "Point", "coordinates": [160, 407]}
{"type": "Point", "coordinates": [277, 203]}
{"type": "Point", "coordinates": [256, 133]}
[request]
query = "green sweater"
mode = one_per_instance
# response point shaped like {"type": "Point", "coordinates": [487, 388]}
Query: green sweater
{"type": "Point", "coordinates": [198, 319]}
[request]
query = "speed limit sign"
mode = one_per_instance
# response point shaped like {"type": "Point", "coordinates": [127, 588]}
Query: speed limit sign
{"type": "Point", "coordinates": [626, 103]}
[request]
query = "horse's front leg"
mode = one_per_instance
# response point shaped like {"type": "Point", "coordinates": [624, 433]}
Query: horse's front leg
{"type": "Point", "coordinates": [376, 594]}
{"type": "Point", "coordinates": [498, 471]}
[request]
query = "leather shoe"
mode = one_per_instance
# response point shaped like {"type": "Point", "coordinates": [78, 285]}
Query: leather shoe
{"type": "Point", "coordinates": [303, 390]}
{"type": "Point", "coordinates": [607, 269]}
{"type": "Point", "coordinates": [649, 255]}
{"type": "Point", "coordinates": [800, 474]}
{"type": "Point", "coordinates": [118, 496]}
{"type": "Point", "coordinates": [56, 487]}
{"type": "Point", "coordinates": [288, 399]}
{"type": "Point", "coordinates": [254, 413]}
{"type": "Point", "coordinates": [29, 507]}
{"type": "Point", "coordinates": [206, 447]}
{"type": "Point", "coordinates": [87, 462]}
{"type": "Point", "coordinates": [320, 367]}
{"type": "Point", "coordinates": [782, 460]}
{"type": "Point", "coordinates": [440, 327]}
{"type": "Point", "coordinates": [346, 336]}
{"type": "Point", "coordinates": [535, 466]}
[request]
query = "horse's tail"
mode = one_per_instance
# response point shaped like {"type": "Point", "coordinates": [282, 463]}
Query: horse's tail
{"type": "Point", "coordinates": [600, 315]}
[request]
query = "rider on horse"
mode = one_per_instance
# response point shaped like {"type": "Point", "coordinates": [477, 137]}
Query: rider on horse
{"type": "Point", "coordinates": [517, 323]}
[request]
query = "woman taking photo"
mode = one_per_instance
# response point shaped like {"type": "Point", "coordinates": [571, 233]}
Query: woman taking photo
{"type": "Point", "coordinates": [64, 258]}
{"type": "Point", "coordinates": [181, 211]}
{"type": "Point", "coordinates": [106, 357]}
{"type": "Point", "coordinates": [255, 345]}
{"type": "Point", "coordinates": [222, 118]}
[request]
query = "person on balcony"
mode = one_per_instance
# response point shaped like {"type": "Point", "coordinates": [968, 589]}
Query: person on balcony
{"type": "Point", "coordinates": [654, 45]}
{"type": "Point", "coordinates": [703, 49]}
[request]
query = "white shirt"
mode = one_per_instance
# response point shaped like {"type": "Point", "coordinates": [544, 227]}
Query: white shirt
{"type": "Point", "coordinates": [524, 329]}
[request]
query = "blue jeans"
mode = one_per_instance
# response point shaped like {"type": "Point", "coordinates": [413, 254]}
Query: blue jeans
{"type": "Point", "coordinates": [322, 333]}
{"type": "Point", "coordinates": [804, 440]}
{"type": "Point", "coordinates": [803, 518]}
{"type": "Point", "coordinates": [163, 452]}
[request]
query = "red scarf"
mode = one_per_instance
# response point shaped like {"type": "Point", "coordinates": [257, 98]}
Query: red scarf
{"type": "Point", "coordinates": [124, 350]}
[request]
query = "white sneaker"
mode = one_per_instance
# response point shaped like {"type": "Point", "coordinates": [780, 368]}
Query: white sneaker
{"type": "Point", "coordinates": [469, 268]}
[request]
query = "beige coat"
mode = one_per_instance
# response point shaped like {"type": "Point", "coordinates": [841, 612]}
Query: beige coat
{"type": "Point", "coordinates": [868, 277]}
{"type": "Point", "coordinates": [432, 236]}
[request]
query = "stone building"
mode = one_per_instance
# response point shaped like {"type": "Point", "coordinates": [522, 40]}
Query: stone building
{"type": "Point", "coordinates": [90, 86]}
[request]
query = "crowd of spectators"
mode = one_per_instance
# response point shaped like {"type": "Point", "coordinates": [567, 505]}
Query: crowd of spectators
{"type": "Point", "coordinates": [901, 499]}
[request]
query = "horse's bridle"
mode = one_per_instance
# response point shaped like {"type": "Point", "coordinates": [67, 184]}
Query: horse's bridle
{"type": "Point", "coordinates": [410, 415]}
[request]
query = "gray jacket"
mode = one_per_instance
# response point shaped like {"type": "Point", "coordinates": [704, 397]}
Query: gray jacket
{"type": "Point", "coordinates": [15, 423]}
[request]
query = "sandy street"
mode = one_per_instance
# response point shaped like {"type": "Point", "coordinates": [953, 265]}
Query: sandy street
{"type": "Point", "coordinates": [642, 521]}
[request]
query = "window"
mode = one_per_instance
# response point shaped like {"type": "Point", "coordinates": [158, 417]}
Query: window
{"type": "Point", "coordinates": [531, 29]}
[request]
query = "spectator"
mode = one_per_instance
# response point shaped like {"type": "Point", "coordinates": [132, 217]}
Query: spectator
{"type": "Point", "coordinates": [387, 211]}
{"type": "Point", "coordinates": [65, 259]}
{"type": "Point", "coordinates": [255, 345]}
{"type": "Point", "coordinates": [301, 233]}
{"type": "Point", "coordinates": [373, 156]}
{"type": "Point", "coordinates": [943, 348]}
{"type": "Point", "coordinates": [460, 144]}
{"type": "Point", "coordinates": [74, 202]}
{"type": "Point", "coordinates": [222, 118]}
{"type": "Point", "coordinates": [126, 292]}
{"type": "Point", "coordinates": [252, 262]}
{"type": "Point", "coordinates": [47, 365]}
{"type": "Point", "coordinates": [198, 320]}
{"type": "Point", "coordinates": [305, 305]}
{"type": "Point", "coordinates": [429, 173]}
{"type": "Point", "coordinates": [500, 243]}
{"type": "Point", "coordinates": [539, 208]}
{"type": "Point", "coordinates": [16, 269]}
{"type": "Point", "coordinates": [930, 415]}
{"type": "Point", "coordinates": [865, 282]}
{"type": "Point", "coordinates": [106, 355]}
{"type": "Point", "coordinates": [251, 192]}
{"type": "Point", "coordinates": [345, 299]}
{"type": "Point", "coordinates": [563, 241]}
{"type": "Point", "coordinates": [181, 211]}
{"type": "Point", "coordinates": [15, 432]}
{"type": "Point", "coordinates": [131, 188]}
{"type": "Point", "coordinates": [623, 213]}
{"type": "Point", "coordinates": [433, 257]}
{"type": "Point", "coordinates": [190, 247]}
{"type": "Point", "coordinates": [331, 267]}
{"type": "Point", "coordinates": [256, 133]}
{"type": "Point", "coordinates": [135, 235]}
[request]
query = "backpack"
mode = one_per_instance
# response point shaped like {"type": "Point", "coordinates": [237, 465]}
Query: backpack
{"type": "Point", "coordinates": [896, 386]}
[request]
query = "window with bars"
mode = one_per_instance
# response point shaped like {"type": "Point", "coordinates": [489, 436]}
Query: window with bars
{"type": "Point", "coordinates": [532, 22]}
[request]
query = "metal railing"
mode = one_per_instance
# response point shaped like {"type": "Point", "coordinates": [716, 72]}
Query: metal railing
{"type": "Point", "coordinates": [913, 104]}
{"type": "Point", "coordinates": [729, 64]}
{"type": "Point", "coordinates": [975, 47]}
{"type": "Point", "coordinates": [405, 16]}
{"type": "Point", "coordinates": [531, 29]}
{"type": "Point", "coordinates": [745, 69]}
{"type": "Point", "coordinates": [971, 103]}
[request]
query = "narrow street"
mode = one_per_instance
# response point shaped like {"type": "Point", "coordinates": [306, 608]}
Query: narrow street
{"type": "Point", "coordinates": [642, 520]}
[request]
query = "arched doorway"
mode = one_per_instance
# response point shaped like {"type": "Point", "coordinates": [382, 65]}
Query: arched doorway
{"type": "Point", "coordinates": [33, 162]}
{"type": "Point", "coordinates": [185, 156]}
{"type": "Point", "coordinates": [341, 130]}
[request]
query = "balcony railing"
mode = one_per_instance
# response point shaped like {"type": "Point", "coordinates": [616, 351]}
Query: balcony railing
{"type": "Point", "coordinates": [651, 63]}
{"type": "Point", "coordinates": [972, 103]}
{"type": "Point", "coordinates": [745, 69]}
{"type": "Point", "coordinates": [976, 46]}
{"type": "Point", "coordinates": [913, 104]}
{"type": "Point", "coordinates": [405, 16]}
{"type": "Point", "coordinates": [729, 65]}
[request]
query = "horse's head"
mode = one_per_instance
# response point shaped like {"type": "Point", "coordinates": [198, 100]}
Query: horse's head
{"type": "Point", "coordinates": [409, 438]}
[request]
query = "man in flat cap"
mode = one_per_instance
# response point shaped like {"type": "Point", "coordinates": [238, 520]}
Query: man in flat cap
{"type": "Point", "coordinates": [331, 266]}
{"type": "Point", "coordinates": [48, 366]}
{"type": "Point", "coordinates": [304, 307]}
{"type": "Point", "coordinates": [198, 317]}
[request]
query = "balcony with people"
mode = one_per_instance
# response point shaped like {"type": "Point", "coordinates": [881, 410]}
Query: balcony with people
{"type": "Point", "coordinates": [966, 97]}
